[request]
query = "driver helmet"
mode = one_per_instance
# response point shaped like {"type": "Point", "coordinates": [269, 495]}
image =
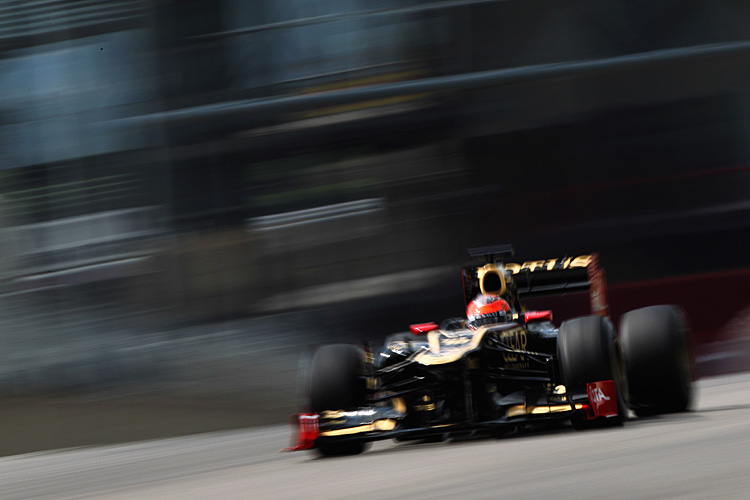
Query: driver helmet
{"type": "Point", "coordinates": [486, 309]}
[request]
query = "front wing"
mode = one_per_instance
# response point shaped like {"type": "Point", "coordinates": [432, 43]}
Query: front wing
{"type": "Point", "coordinates": [382, 422]}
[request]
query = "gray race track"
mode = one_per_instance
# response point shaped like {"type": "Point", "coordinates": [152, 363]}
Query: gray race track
{"type": "Point", "coordinates": [697, 455]}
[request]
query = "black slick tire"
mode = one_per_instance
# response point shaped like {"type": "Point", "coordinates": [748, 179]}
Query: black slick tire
{"type": "Point", "coordinates": [337, 382]}
{"type": "Point", "coordinates": [656, 343]}
{"type": "Point", "coordinates": [588, 352]}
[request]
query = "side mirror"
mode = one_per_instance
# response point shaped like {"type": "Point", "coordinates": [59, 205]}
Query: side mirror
{"type": "Point", "coordinates": [537, 316]}
{"type": "Point", "coordinates": [422, 328]}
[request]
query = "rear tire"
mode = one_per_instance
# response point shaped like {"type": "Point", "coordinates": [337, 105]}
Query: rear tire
{"type": "Point", "coordinates": [656, 343]}
{"type": "Point", "coordinates": [588, 351]}
{"type": "Point", "coordinates": [337, 382]}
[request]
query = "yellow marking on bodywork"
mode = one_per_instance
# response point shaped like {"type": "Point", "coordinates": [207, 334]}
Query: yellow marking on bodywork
{"type": "Point", "coordinates": [379, 425]}
{"type": "Point", "coordinates": [519, 410]}
{"type": "Point", "coordinates": [516, 411]}
{"type": "Point", "coordinates": [540, 410]}
{"type": "Point", "coordinates": [556, 408]}
{"type": "Point", "coordinates": [332, 414]}
{"type": "Point", "coordinates": [433, 338]}
{"type": "Point", "coordinates": [399, 405]}
{"type": "Point", "coordinates": [427, 407]}
{"type": "Point", "coordinates": [385, 425]}
{"type": "Point", "coordinates": [582, 261]}
{"type": "Point", "coordinates": [440, 355]}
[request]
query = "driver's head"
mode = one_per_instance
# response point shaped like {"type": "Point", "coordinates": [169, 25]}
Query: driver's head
{"type": "Point", "coordinates": [486, 309]}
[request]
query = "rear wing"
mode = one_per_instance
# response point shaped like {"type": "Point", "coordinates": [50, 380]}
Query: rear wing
{"type": "Point", "coordinates": [535, 278]}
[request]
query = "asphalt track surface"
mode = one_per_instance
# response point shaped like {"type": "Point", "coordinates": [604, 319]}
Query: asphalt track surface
{"type": "Point", "coordinates": [697, 455]}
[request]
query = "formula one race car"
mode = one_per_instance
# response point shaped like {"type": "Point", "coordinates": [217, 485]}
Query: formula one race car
{"type": "Point", "coordinates": [501, 368]}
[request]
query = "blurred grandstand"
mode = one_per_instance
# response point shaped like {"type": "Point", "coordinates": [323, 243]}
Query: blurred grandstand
{"type": "Point", "coordinates": [168, 163]}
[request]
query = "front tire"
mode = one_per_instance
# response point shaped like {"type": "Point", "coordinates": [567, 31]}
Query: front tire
{"type": "Point", "coordinates": [656, 342]}
{"type": "Point", "coordinates": [337, 382]}
{"type": "Point", "coordinates": [588, 352]}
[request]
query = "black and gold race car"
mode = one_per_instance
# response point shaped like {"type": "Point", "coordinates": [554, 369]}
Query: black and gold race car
{"type": "Point", "coordinates": [502, 367]}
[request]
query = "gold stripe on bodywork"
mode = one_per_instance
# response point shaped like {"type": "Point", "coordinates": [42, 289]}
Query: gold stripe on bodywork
{"type": "Point", "coordinates": [516, 411]}
{"type": "Point", "coordinates": [540, 410]}
{"type": "Point", "coordinates": [557, 408]}
{"type": "Point", "coordinates": [441, 355]}
{"type": "Point", "coordinates": [399, 405]}
{"type": "Point", "coordinates": [519, 410]}
{"type": "Point", "coordinates": [379, 425]}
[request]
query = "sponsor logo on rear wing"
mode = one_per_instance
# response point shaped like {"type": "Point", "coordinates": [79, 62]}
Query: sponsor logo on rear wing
{"type": "Point", "coordinates": [582, 261]}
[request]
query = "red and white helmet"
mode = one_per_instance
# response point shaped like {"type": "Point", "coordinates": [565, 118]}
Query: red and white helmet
{"type": "Point", "coordinates": [486, 309]}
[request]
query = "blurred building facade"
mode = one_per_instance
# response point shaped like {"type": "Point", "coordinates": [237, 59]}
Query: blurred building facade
{"type": "Point", "coordinates": [195, 159]}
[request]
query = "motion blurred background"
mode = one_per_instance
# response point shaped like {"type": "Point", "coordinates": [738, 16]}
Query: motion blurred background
{"type": "Point", "coordinates": [192, 192]}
